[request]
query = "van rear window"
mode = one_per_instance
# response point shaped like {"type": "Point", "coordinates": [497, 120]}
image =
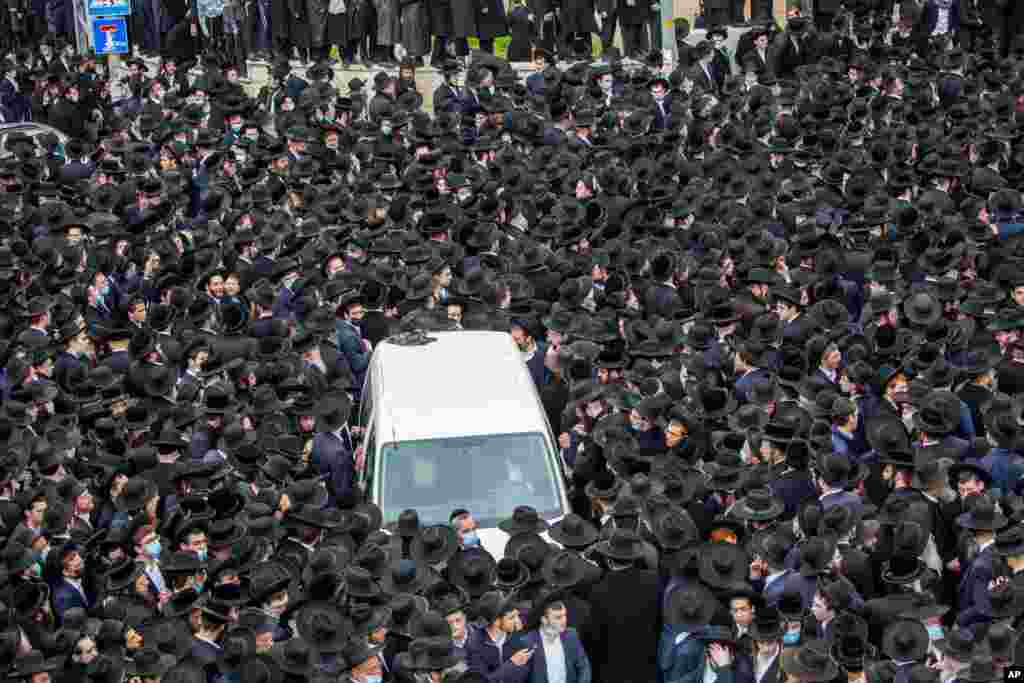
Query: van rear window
{"type": "Point", "coordinates": [488, 475]}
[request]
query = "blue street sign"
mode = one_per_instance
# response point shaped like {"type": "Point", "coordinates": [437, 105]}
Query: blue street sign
{"type": "Point", "coordinates": [109, 8]}
{"type": "Point", "coordinates": [110, 35]}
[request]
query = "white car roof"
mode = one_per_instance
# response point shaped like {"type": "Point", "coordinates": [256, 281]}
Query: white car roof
{"type": "Point", "coordinates": [466, 383]}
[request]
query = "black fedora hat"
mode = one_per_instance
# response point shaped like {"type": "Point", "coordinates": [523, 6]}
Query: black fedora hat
{"type": "Point", "coordinates": [357, 651]}
{"type": "Point", "coordinates": [360, 583]}
{"type": "Point", "coordinates": [323, 626]}
{"type": "Point", "coordinates": [136, 493]}
{"type": "Point", "coordinates": [851, 651]}
{"type": "Point", "coordinates": [759, 505]}
{"type": "Point", "coordinates": [723, 565]}
{"type": "Point", "coordinates": [564, 569]}
{"type": "Point", "coordinates": [958, 643]}
{"type": "Point", "coordinates": [224, 533]}
{"type": "Point", "coordinates": [922, 308]}
{"type": "Point", "coordinates": [510, 574]}
{"type": "Point", "coordinates": [574, 532]}
{"type": "Point", "coordinates": [405, 576]}
{"type": "Point", "coordinates": [334, 410]}
{"type": "Point", "coordinates": [982, 670]}
{"type": "Point", "coordinates": [183, 602]}
{"type": "Point", "coordinates": [429, 654]}
{"type": "Point", "coordinates": [295, 656]}
{"type": "Point", "coordinates": [674, 529]}
{"type": "Point", "coordinates": [1010, 541]}
{"type": "Point", "coordinates": [239, 645]}
{"type": "Point", "coordinates": [905, 640]}
{"type": "Point", "coordinates": [939, 413]}
{"type": "Point", "coordinates": [767, 624]}
{"type": "Point", "coordinates": [266, 579]}
{"type": "Point", "coordinates": [149, 662]}
{"type": "Point", "coordinates": [434, 544]}
{"type": "Point", "coordinates": [622, 546]}
{"type": "Point", "coordinates": [33, 663]}
{"type": "Point", "coordinates": [122, 576]}
{"type": "Point", "coordinates": [816, 554]}
{"type": "Point", "coordinates": [524, 519]}
{"type": "Point", "coordinates": [690, 608]}
{"type": "Point", "coordinates": [473, 570]}
{"type": "Point", "coordinates": [811, 662]}
{"type": "Point", "coordinates": [983, 516]}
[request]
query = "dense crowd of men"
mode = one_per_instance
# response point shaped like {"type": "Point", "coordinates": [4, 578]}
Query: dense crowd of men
{"type": "Point", "coordinates": [772, 300]}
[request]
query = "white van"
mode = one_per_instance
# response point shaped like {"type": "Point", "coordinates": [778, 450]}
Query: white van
{"type": "Point", "coordinates": [456, 422]}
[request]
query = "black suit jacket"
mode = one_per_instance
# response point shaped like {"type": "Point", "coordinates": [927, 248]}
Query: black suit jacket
{"type": "Point", "coordinates": [627, 627]}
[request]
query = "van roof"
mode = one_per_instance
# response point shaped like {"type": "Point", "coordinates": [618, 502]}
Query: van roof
{"type": "Point", "coordinates": [466, 383]}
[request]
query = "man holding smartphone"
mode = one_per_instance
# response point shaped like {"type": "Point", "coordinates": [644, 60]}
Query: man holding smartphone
{"type": "Point", "coordinates": [489, 650]}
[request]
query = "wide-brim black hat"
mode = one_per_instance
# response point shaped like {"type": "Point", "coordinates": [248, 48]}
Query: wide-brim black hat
{"type": "Point", "coordinates": [323, 626]}
{"type": "Point", "coordinates": [723, 565]}
{"type": "Point", "coordinates": [758, 505]}
{"type": "Point", "coordinates": [574, 532]}
{"type": "Point", "coordinates": [905, 640]}
{"type": "Point", "coordinates": [33, 663]}
{"type": "Point", "coordinates": [123, 575]}
{"type": "Point", "coordinates": [295, 656]}
{"type": "Point", "coordinates": [810, 662]}
{"type": "Point", "coordinates": [524, 520]}
{"type": "Point", "coordinates": [434, 544]}
{"type": "Point", "coordinates": [690, 608]}
{"type": "Point", "coordinates": [333, 411]}
{"type": "Point", "coordinates": [136, 492]}
{"type": "Point", "coordinates": [473, 570]}
{"type": "Point", "coordinates": [767, 625]}
{"type": "Point", "coordinates": [983, 516]}
{"type": "Point", "coordinates": [430, 654]}
{"type": "Point", "coordinates": [169, 636]}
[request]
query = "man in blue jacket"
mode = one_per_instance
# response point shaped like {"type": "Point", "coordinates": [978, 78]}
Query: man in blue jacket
{"type": "Point", "coordinates": [350, 336]}
{"type": "Point", "coordinates": [68, 591]}
{"type": "Point", "coordinates": [332, 454]}
{"type": "Point", "coordinates": [490, 649]}
{"type": "Point", "coordinates": [558, 654]}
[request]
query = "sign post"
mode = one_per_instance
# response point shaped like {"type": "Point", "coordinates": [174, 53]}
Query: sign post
{"type": "Point", "coordinates": [110, 35]}
{"type": "Point", "coordinates": [108, 20]}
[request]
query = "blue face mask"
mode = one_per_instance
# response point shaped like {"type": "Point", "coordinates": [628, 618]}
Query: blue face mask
{"type": "Point", "coordinates": [153, 549]}
{"type": "Point", "coordinates": [470, 539]}
{"type": "Point", "coordinates": [376, 678]}
{"type": "Point", "coordinates": [935, 632]}
{"type": "Point", "coordinates": [203, 554]}
{"type": "Point", "coordinates": [200, 586]}
{"type": "Point", "coordinates": [791, 638]}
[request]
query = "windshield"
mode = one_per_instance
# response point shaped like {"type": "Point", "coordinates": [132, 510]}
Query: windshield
{"type": "Point", "coordinates": [488, 475]}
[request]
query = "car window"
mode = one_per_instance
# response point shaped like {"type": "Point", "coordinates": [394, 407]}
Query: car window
{"type": "Point", "coordinates": [488, 475]}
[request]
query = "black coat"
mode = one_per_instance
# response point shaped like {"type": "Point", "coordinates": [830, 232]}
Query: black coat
{"type": "Point", "coordinates": [490, 19]}
{"type": "Point", "coordinates": [577, 16]}
{"type": "Point", "coordinates": [788, 56]}
{"type": "Point", "coordinates": [68, 117]}
{"type": "Point", "coordinates": [463, 18]}
{"type": "Point", "coordinates": [523, 31]}
{"type": "Point", "coordinates": [288, 17]}
{"type": "Point", "coordinates": [440, 16]}
{"type": "Point", "coordinates": [316, 18]}
{"type": "Point", "coordinates": [377, 326]}
{"type": "Point", "coordinates": [627, 625]}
